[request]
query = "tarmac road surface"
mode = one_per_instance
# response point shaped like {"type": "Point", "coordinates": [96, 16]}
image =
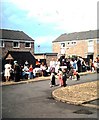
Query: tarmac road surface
{"type": "Point", "coordinates": [34, 100]}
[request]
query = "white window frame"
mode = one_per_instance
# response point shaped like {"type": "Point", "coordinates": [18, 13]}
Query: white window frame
{"type": "Point", "coordinates": [29, 43]}
{"type": "Point", "coordinates": [16, 46]}
{"type": "Point", "coordinates": [71, 43]}
{"type": "Point", "coordinates": [68, 43]}
{"type": "Point", "coordinates": [74, 42]}
{"type": "Point", "coordinates": [90, 46]}
{"type": "Point", "coordinates": [2, 43]}
{"type": "Point", "coordinates": [63, 45]}
{"type": "Point", "coordinates": [90, 43]}
{"type": "Point", "coordinates": [98, 41]}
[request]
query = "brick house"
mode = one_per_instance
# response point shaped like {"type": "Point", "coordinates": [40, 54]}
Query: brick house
{"type": "Point", "coordinates": [84, 44]}
{"type": "Point", "coordinates": [16, 45]}
{"type": "Point", "coordinates": [12, 40]}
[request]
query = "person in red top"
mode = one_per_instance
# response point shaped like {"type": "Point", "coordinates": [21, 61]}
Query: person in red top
{"type": "Point", "coordinates": [31, 72]}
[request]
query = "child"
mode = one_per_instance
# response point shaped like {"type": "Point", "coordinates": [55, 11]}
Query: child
{"type": "Point", "coordinates": [75, 73]}
{"type": "Point", "coordinates": [52, 77]}
{"type": "Point", "coordinates": [60, 76]}
{"type": "Point", "coordinates": [70, 74]}
{"type": "Point", "coordinates": [64, 77]}
{"type": "Point", "coordinates": [30, 72]}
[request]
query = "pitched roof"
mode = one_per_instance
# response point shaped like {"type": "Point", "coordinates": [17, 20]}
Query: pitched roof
{"type": "Point", "coordinates": [14, 35]}
{"type": "Point", "coordinates": [9, 57]}
{"type": "Point", "coordinates": [21, 57]}
{"type": "Point", "coordinates": [78, 36]}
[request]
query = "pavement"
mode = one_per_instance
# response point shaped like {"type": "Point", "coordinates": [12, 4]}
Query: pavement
{"type": "Point", "coordinates": [76, 94]}
{"type": "Point", "coordinates": [36, 79]}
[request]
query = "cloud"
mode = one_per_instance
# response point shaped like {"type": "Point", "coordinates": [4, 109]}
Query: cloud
{"type": "Point", "coordinates": [67, 14]}
{"type": "Point", "coordinates": [46, 40]}
{"type": "Point", "coordinates": [45, 20]}
{"type": "Point", "coordinates": [45, 43]}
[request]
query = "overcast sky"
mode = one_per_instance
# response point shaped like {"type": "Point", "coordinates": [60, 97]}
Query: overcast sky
{"type": "Point", "coordinates": [45, 20]}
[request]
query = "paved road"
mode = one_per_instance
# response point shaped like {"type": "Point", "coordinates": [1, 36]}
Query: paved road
{"type": "Point", "coordinates": [33, 100]}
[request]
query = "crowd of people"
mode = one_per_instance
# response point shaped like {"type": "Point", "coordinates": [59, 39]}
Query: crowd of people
{"type": "Point", "coordinates": [77, 63]}
{"type": "Point", "coordinates": [64, 68]}
{"type": "Point", "coordinates": [70, 68]}
{"type": "Point", "coordinates": [17, 72]}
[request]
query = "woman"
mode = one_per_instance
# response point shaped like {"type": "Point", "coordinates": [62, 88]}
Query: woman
{"type": "Point", "coordinates": [7, 71]}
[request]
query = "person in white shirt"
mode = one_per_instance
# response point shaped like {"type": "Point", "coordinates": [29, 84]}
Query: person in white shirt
{"type": "Point", "coordinates": [7, 71]}
{"type": "Point", "coordinates": [52, 63]}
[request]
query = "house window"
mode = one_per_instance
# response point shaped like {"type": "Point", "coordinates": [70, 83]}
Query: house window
{"type": "Point", "coordinates": [27, 45]}
{"type": "Point", "coordinates": [16, 45]}
{"type": "Point", "coordinates": [91, 46]}
{"type": "Point", "coordinates": [70, 43]}
{"type": "Point", "coordinates": [62, 45]}
{"type": "Point", "coordinates": [90, 43]}
{"type": "Point", "coordinates": [1, 43]}
{"type": "Point", "coordinates": [98, 41]}
{"type": "Point", "coordinates": [74, 42]}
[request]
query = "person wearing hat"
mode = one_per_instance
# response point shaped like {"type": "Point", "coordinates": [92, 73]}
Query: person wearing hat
{"type": "Point", "coordinates": [16, 71]}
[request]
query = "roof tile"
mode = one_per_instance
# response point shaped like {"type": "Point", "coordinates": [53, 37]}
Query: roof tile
{"type": "Point", "coordinates": [14, 35]}
{"type": "Point", "coordinates": [78, 36]}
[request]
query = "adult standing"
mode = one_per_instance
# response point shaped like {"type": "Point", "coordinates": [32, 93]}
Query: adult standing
{"type": "Point", "coordinates": [7, 71]}
{"type": "Point", "coordinates": [68, 64]}
{"type": "Point", "coordinates": [52, 63]}
{"type": "Point", "coordinates": [16, 71]}
{"type": "Point", "coordinates": [75, 64]}
{"type": "Point", "coordinates": [79, 65]}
